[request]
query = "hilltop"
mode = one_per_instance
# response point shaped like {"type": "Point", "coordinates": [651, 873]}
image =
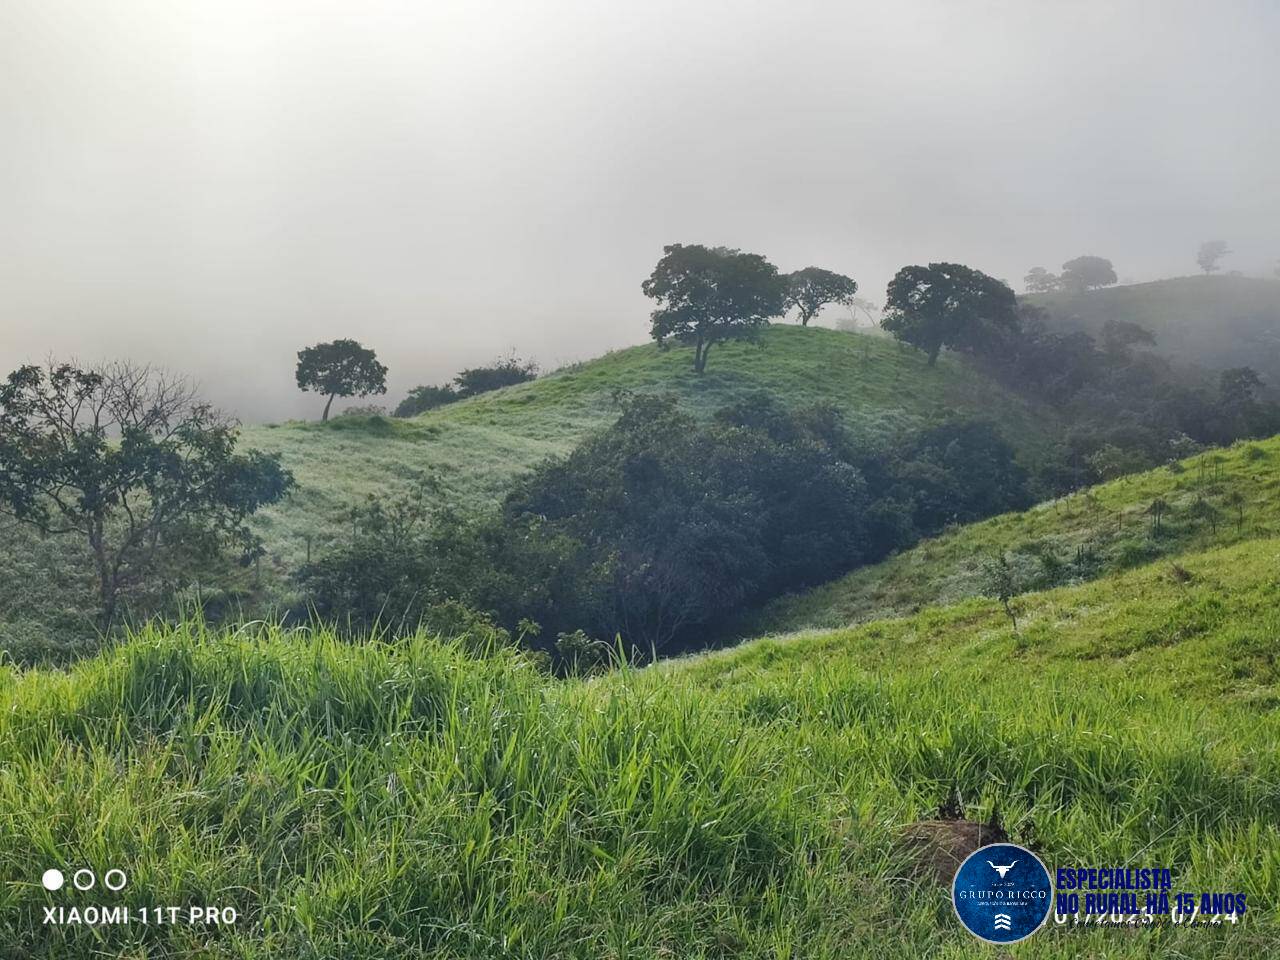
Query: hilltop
{"type": "Point", "coordinates": [477, 446]}
{"type": "Point", "coordinates": [1214, 322]}
{"type": "Point", "coordinates": [1081, 537]}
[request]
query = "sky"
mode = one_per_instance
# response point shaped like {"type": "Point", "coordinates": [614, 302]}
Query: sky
{"type": "Point", "coordinates": [210, 186]}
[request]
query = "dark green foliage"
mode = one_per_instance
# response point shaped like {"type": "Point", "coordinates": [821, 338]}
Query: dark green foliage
{"type": "Point", "coordinates": [660, 529]}
{"type": "Point", "coordinates": [683, 524]}
{"type": "Point", "coordinates": [469, 383]}
{"type": "Point", "coordinates": [501, 373]}
{"type": "Point", "coordinates": [811, 289]}
{"type": "Point", "coordinates": [130, 464]}
{"type": "Point", "coordinates": [424, 398]}
{"type": "Point", "coordinates": [957, 473]}
{"type": "Point", "coordinates": [949, 305]}
{"type": "Point", "coordinates": [707, 295]}
{"type": "Point", "coordinates": [341, 368]}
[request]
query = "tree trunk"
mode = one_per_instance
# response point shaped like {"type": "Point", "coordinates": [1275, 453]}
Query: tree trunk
{"type": "Point", "coordinates": [327, 405]}
{"type": "Point", "coordinates": [699, 357]}
{"type": "Point", "coordinates": [106, 580]}
{"type": "Point", "coordinates": [933, 355]}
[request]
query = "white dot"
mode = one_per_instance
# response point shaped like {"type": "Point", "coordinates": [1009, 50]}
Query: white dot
{"type": "Point", "coordinates": [53, 879]}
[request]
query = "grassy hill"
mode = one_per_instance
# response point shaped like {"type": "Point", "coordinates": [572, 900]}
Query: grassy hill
{"type": "Point", "coordinates": [1215, 322]}
{"type": "Point", "coordinates": [1077, 538]}
{"type": "Point", "coordinates": [409, 800]}
{"type": "Point", "coordinates": [477, 446]}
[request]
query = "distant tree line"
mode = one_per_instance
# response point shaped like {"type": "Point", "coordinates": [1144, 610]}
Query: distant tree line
{"type": "Point", "coordinates": [1078, 275]}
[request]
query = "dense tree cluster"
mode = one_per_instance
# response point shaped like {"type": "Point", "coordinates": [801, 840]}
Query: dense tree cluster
{"type": "Point", "coordinates": [1127, 409]}
{"type": "Point", "coordinates": [660, 529]}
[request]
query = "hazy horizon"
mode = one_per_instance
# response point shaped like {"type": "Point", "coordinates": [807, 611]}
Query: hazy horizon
{"type": "Point", "coordinates": [210, 187]}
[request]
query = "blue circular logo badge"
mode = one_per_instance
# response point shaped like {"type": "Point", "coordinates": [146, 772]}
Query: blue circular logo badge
{"type": "Point", "coordinates": [1002, 893]}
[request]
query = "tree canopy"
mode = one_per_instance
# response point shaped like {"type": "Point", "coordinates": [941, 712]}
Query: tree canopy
{"type": "Point", "coordinates": [341, 368]}
{"type": "Point", "coordinates": [811, 289]}
{"type": "Point", "coordinates": [131, 462]}
{"type": "Point", "coordinates": [1211, 251]}
{"type": "Point", "coordinates": [1040, 280]}
{"type": "Point", "coordinates": [1087, 273]}
{"type": "Point", "coordinates": [706, 295]}
{"type": "Point", "coordinates": [949, 305]}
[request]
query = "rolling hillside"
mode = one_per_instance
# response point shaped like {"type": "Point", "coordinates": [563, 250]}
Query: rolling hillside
{"type": "Point", "coordinates": [1214, 322]}
{"type": "Point", "coordinates": [408, 800]}
{"type": "Point", "coordinates": [477, 446]}
{"type": "Point", "coordinates": [1077, 538]}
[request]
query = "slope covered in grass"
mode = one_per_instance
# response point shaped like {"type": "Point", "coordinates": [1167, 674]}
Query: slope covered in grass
{"type": "Point", "coordinates": [1074, 539]}
{"type": "Point", "coordinates": [1216, 322]}
{"type": "Point", "coordinates": [477, 446]}
{"type": "Point", "coordinates": [408, 800]}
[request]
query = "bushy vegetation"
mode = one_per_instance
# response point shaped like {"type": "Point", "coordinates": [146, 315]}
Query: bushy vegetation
{"type": "Point", "coordinates": [1216, 498]}
{"type": "Point", "coordinates": [416, 799]}
{"type": "Point", "coordinates": [471, 382]}
{"type": "Point", "coordinates": [660, 528]}
{"type": "Point", "coordinates": [1213, 322]}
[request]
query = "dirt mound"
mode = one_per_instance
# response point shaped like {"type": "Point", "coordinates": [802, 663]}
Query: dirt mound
{"type": "Point", "coordinates": [936, 848]}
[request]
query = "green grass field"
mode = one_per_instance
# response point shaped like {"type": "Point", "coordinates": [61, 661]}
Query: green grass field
{"type": "Point", "coordinates": [1110, 523]}
{"type": "Point", "coordinates": [408, 800]}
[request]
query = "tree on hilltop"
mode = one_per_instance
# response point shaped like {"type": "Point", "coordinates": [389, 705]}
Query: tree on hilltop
{"type": "Point", "coordinates": [342, 368]}
{"type": "Point", "coordinates": [813, 288]}
{"type": "Point", "coordinates": [707, 295]}
{"type": "Point", "coordinates": [1211, 251]}
{"type": "Point", "coordinates": [1087, 273]}
{"type": "Point", "coordinates": [1040, 280]}
{"type": "Point", "coordinates": [949, 305]}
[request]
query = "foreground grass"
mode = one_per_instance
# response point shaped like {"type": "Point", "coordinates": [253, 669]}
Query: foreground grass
{"type": "Point", "coordinates": [411, 801]}
{"type": "Point", "coordinates": [1071, 540]}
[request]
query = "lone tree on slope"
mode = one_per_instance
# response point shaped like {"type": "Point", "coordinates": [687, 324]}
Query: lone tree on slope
{"type": "Point", "coordinates": [813, 288]}
{"type": "Point", "coordinates": [707, 295]}
{"type": "Point", "coordinates": [1087, 273]}
{"type": "Point", "coordinates": [342, 368]}
{"type": "Point", "coordinates": [1211, 251]}
{"type": "Point", "coordinates": [949, 305]}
